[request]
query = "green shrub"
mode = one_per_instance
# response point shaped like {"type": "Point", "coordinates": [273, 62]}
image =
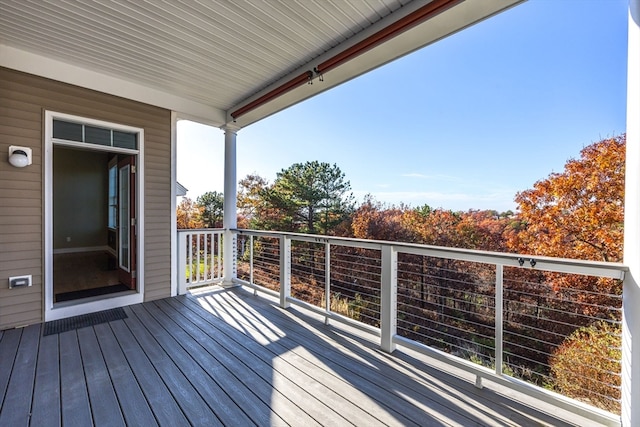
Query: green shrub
{"type": "Point", "coordinates": [586, 366]}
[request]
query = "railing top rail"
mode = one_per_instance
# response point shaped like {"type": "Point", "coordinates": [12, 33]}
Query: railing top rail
{"type": "Point", "coordinates": [559, 265]}
{"type": "Point", "coordinates": [199, 230]}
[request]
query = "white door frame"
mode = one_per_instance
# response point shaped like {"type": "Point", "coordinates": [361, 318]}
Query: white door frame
{"type": "Point", "coordinates": [58, 311]}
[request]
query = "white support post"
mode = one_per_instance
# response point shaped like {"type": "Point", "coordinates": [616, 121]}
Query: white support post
{"type": "Point", "coordinates": [230, 221]}
{"type": "Point", "coordinates": [285, 271]}
{"type": "Point", "coordinates": [175, 267]}
{"type": "Point", "coordinates": [182, 263]}
{"type": "Point", "coordinates": [631, 288]}
{"type": "Point", "coordinates": [388, 298]}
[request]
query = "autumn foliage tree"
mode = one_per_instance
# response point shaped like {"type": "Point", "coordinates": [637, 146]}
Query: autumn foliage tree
{"type": "Point", "coordinates": [189, 215]}
{"type": "Point", "coordinates": [577, 213]}
{"type": "Point", "coordinates": [372, 220]}
{"type": "Point", "coordinates": [585, 366]}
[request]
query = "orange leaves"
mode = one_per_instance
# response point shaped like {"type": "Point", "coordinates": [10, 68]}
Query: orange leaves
{"type": "Point", "coordinates": [577, 213]}
{"type": "Point", "coordinates": [473, 229]}
{"type": "Point", "coordinates": [372, 221]}
{"type": "Point", "coordinates": [189, 215]}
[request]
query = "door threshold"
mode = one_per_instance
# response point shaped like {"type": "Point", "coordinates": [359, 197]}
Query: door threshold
{"type": "Point", "coordinates": [78, 301]}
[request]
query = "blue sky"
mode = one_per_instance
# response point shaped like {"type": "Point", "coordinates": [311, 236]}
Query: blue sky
{"type": "Point", "coordinates": [463, 124]}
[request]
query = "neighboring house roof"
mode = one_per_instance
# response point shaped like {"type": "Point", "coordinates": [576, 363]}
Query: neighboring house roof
{"type": "Point", "coordinates": [180, 189]}
{"type": "Point", "coordinates": [207, 60]}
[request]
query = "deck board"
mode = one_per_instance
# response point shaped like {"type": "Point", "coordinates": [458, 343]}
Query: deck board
{"type": "Point", "coordinates": [20, 387]}
{"type": "Point", "coordinates": [103, 400]}
{"type": "Point", "coordinates": [8, 350]}
{"type": "Point", "coordinates": [163, 403]}
{"type": "Point", "coordinates": [252, 394]}
{"type": "Point", "coordinates": [135, 407]}
{"type": "Point", "coordinates": [385, 387]}
{"type": "Point", "coordinates": [226, 357]}
{"type": "Point", "coordinates": [74, 399]}
{"type": "Point", "coordinates": [226, 410]}
{"type": "Point", "coordinates": [430, 393]}
{"type": "Point", "coordinates": [45, 410]}
{"type": "Point", "coordinates": [305, 373]}
{"type": "Point", "coordinates": [322, 411]}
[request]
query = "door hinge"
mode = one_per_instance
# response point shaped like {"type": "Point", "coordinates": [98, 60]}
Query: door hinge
{"type": "Point", "coordinates": [133, 274]}
{"type": "Point", "coordinates": [133, 168]}
{"type": "Point", "coordinates": [134, 222]}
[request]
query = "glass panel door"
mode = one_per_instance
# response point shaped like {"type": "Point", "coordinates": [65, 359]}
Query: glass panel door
{"type": "Point", "coordinates": [124, 214]}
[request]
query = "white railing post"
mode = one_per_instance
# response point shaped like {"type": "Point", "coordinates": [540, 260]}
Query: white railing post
{"type": "Point", "coordinates": [189, 278]}
{"type": "Point", "coordinates": [182, 263]}
{"type": "Point", "coordinates": [219, 253]}
{"type": "Point", "coordinates": [198, 236]}
{"type": "Point", "coordinates": [208, 237]}
{"type": "Point", "coordinates": [285, 271]}
{"type": "Point", "coordinates": [255, 290]}
{"type": "Point", "coordinates": [327, 281]}
{"type": "Point", "coordinates": [499, 308]}
{"type": "Point", "coordinates": [630, 391]}
{"type": "Point", "coordinates": [388, 298]}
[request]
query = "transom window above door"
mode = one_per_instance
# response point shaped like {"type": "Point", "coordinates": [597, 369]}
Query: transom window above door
{"type": "Point", "coordinates": [79, 132]}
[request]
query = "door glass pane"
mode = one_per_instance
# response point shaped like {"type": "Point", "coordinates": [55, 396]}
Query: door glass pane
{"type": "Point", "coordinates": [113, 196]}
{"type": "Point", "coordinates": [125, 139]}
{"type": "Point", "coordinates": [125, 217]}
{"type": "Point", "coordinates": [67, 130]}
{"type": "Point", "coordinates": [95, 135]}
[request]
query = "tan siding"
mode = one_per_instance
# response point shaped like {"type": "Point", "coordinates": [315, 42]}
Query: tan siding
{"type": "Point", "coordinates": [11, 268]}
{"type": "Point", "coordinates": [23, 99]}
{"type": "Point", "coordinates": [24, 193]}
{"type": "Point", "coordinates": [19, 244]}
{"type": "Point", "coordinates": [23, 314]}
{"type": "Point", "coordinates": [8, 238]}
{"type": "Point", "coordinates": [155, 294]}
{"type": "Point", "coordinates": [17, 223]}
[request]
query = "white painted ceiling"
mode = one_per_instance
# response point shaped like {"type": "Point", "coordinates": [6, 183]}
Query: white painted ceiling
{"type": "Point", "coordinates": [203, 58]}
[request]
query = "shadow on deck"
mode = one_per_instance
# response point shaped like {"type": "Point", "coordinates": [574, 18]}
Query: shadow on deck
{"type": "Point", "coordinates": [225, 357]}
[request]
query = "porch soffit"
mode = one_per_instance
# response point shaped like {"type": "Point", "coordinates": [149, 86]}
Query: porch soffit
{"type": "Point", "coordinates": [205, 59]}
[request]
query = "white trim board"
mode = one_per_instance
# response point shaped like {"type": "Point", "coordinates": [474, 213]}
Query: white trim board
{"type": "Point", "coordinates": [59, 311]}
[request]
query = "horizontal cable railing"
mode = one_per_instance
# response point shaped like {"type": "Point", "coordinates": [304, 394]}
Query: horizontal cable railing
{"type": "Point", "coordinates": [259, 261]}
{"type": "Point", "coordinates": [199, 258]}
{"type": "Point", "coordinates": [531, 323]}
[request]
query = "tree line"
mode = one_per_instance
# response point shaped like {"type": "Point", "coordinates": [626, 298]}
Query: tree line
{"type": "Point", "coordinates": [577, 213]}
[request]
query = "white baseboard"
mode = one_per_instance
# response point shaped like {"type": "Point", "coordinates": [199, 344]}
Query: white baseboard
{"type": "Point", "coordinates": [104, 248]}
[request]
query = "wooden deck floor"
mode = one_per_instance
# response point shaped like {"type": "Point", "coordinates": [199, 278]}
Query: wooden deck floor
{"type": "Point", "coordinates": [226, 357]}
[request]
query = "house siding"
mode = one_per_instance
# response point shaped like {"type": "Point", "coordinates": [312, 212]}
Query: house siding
{"type": "Point", "coordinates": [23, 100]}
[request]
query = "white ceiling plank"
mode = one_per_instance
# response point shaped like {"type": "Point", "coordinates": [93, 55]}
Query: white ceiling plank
{"type": "Point", "coordinates": [63, 72]}
{"type": "Point", "coordinates": [207, 56]}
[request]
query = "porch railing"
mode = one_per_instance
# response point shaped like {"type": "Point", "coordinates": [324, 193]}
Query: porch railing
{"type": "Point", "coordinates": [502, 317]}
{"type": "Point", "coordinates": [199, 258]}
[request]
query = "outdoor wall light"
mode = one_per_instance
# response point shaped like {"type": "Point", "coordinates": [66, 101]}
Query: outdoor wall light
{"type": "Point", "coordinates": [19, 156]}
